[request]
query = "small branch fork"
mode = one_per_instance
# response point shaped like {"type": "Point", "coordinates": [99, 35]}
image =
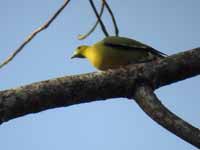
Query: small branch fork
{"type": "Point", "coordinates": [148, 101]}
{"type": "Point", "coordinates": [99, 18]}
{"type": "Point", "coordinates": [84, 36]}
{"type": "Point", "coordinates": [104, 30]}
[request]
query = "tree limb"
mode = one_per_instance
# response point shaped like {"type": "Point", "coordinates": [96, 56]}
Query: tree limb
{"type": "Point", "coordinates": [148, 101]}
{"type": "Point", "coordinates": [70, 90]}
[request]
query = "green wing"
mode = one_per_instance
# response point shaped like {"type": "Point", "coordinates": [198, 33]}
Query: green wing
{"type": "Point", "coordinates": [127, 44]}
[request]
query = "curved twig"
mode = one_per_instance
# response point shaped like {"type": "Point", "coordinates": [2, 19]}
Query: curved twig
{"type": "Point", "coordinates": [99, 18]}
{"type": "Point", "coordinates": [151, 105]}
{"type": "Point", "coordinates": [33, 34]}
{"type": "Point", "coordinates": [84, 36]}
{"type": "Point", "coordinates": [104, 3]}
{"type": "Point", "coordinates": [113, 18]}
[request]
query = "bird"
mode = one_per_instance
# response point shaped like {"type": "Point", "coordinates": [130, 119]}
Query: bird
{"type": "Point", "coordinates": [114, 52]}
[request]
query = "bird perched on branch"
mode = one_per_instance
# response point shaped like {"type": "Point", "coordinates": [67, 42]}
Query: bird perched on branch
{"type": "Point", "coordinates": [114, 52]}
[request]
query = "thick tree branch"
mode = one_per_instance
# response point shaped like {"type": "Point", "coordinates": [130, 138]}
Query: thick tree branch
{"type": "Point", "coordinates": [95, 86]}
{"type": "Point", "coordinates": [148, 101]}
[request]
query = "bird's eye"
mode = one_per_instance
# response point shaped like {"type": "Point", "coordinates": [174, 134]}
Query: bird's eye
{"type": "Point", "coordinates": [79, 47]}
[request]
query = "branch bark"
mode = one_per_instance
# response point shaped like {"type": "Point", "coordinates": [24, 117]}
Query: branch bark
{"type": "Point", "coordinates": [148, 101]}
{"type": "Point", "coordinates": [70, 90]}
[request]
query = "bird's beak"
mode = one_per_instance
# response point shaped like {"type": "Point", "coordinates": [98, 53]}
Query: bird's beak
{"type": "Point", "coordinates": [73, 56]}
{"type": "Point", "coordinates": [77, 55]}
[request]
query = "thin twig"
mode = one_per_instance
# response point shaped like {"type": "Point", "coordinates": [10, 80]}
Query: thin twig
{"type": "Point", "coordinates": [113, 18]}
{"type": "Point", "coordinates": [84, 36]}
{"type": "Point", "coordinates": [33, 34]}
{"type": "Point", "coordinates": [98, 17]}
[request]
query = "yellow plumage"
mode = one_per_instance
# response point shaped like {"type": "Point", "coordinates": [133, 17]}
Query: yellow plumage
{"type": "Point", "coordinates": [114, 52]}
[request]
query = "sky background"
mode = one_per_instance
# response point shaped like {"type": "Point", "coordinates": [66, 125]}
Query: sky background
{"type": "Point", "coordinates": [117, 124]}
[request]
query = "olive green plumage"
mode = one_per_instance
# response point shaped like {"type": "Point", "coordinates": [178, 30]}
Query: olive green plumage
{"type": "Point", "coordinates": [114, 52]}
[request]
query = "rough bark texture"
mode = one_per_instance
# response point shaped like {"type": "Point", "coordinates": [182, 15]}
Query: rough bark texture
{"type": "Point", "coordinates": [95, 86]}
{"type": "Point", "coordinates": [148, 101]}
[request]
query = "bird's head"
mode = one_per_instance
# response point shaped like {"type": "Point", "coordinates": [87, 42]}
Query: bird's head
{"type": "Point", "coordinates": [80, 52]}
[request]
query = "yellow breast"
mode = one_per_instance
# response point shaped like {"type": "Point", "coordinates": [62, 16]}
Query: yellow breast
{"type": "Point", "coordinates": [104, 58]}
{"type": "Point", "coordinates": [95, 56]}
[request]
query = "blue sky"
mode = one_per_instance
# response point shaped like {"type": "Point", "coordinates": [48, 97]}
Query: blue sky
{"type": "Point", "coordinates": [169, 26]}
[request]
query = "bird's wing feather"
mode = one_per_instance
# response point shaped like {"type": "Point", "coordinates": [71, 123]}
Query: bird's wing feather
{"type": "Point", "coordinates": [127, 44]}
